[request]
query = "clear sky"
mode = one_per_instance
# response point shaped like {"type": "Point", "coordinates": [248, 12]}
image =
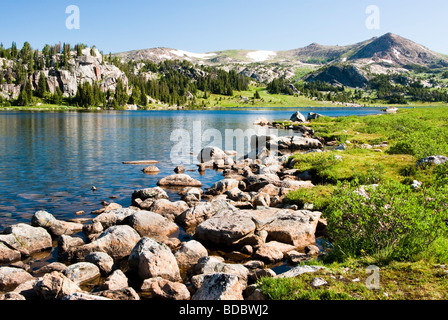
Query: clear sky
{"type": "Point", "coordinates": [212, 25]}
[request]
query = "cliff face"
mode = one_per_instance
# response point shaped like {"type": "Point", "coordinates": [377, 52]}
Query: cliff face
{"type": "Point", "coordinates": [87, 67]}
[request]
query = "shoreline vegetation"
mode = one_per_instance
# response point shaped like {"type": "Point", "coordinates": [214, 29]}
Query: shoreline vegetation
{"type": "Point", "coordinates": [351, 193]}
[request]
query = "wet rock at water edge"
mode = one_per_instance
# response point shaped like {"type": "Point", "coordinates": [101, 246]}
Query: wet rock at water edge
{"type": "Point", "coordinates": [179, 180]}
{"type": "Point", "coordinates": [26, 239]}
{"type": "Point", "coordinates": [116, 241]}
{"type": "Point", "coordinates": [82, 272]}
{"type": "Point", "coordinates": [10, 278]}
{"type": "Point", "coordinates": [55, 227]}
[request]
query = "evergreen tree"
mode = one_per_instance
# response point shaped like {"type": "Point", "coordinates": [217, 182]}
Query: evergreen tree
{"type": "Point", "coordinates": [41, 89]}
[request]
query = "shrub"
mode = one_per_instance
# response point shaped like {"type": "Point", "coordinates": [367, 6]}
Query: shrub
{"type": "Point", "coordinates": [422, 144]}
{"type": "Point", "coordinates": [393, 218]}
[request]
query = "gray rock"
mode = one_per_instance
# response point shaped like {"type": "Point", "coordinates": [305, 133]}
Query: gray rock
{"type": "Point", "coordinates": [117, 241]}
{"type": "Point", "coordinates": [153, 259]}
{"type": "Point", "coordinates": [55, 285]}
{"type": "Point", "coordinates": [102, 260]}
{"type": "Point", "coordinates": [116, 281]}
{"type": "Point", "coordinates": [179, 180]}
{"type": "Point", "coordinates": [55, 227]}
{"type": "Point", "coordinates": [160, 288]}
{"type": "Point", "coordinates": [8, 254]}
{"type": "Point", "coordinates": [272, 251]}
{"type": "Point", "coordinates": [207, 265]}
{"type": "Point", "coordinates": [150, 193]}
{"type": "Point", "coordinates": [54, 266]}
{"type": "Point", "coordinates": [84, 296]}
{"type": "Point", "coordinates": [219, 286]}
{"type": "Point", "coordinates": [10, 278]}
{"type": "Point", "coordinates": [192, 217]}
{"type": "Point", "coordinates": [298, 117]}
{"type": "Point", "coordinates": [26, 239]}
{"type": "Point", "coordinates": [11, 296]}
{"type": "Point", "coordinates": [296, 271]}
{"type": "Point", "coordinates": [297, 228]}
{"type": "Point", "coordinates": [123, 294]}
{"type": "Point", "coordinates": [148, 224]}
{"type": "Point", "coordinates": [189, 254]}
{"type": "Point", "coordinates": [168, 209]}
{"type": "Point", "coordinates": [434, 160]}
{"type": "Point", "coordinates": [211, 154]}
{"type": "Point", "coordinates": [82, 272]}
{"type": "Point", "coordinates": [225, 228]}
{"type": "Point", "coordinates": [318, 282]}
{"type": "Point", "coordinates": [223, 186]}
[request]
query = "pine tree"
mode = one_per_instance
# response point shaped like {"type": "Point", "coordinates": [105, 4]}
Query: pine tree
{"type": "Point", "coordinates": [41, 86]}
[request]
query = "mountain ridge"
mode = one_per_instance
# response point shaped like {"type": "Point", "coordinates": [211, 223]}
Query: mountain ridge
{"type": "Point", "coordinates": [380, 49]}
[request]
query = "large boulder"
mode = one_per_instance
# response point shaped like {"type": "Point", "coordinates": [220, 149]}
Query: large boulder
{"type": "Point", "coordinates": [226, 228]}
{"type": "Point", "coordinates": [168, 209]}
{"type": "Point", "coordinates": [434, 160]}
{"type": "Point", "coordinates": [113, 217]}
{"type": "Point", "coordinates": [10, 278]}
{"type": "Point", "coordinates": [298, 117]}
{"type": "Point", "coordinates": [223, 186]}
{"type": "Point", "coordinates": [26, 239]}
{"type": "Point", "coordinates": [117, 241]}
{"type": "Point", "coordinates": [102, 260]}
{"type": "Point", "coordinates": [149, 193]}
{"type": "Point", "coordinates": [273, 251]}
{"type": "Point", "coordinates": [300, 143]}
{"type": "Point", "coordinates": [149, 223]}
{"type": "Point", "coordinates": [211, 154]}
{"type": "Point", "coordinates": [55, 227]}
{"type": "Point", "coordinates": [179, 180]}
{"type": "Point", "coordinates": [219, 286]}
{"type": "Point", "coordinates": [116, 281]}
{"type": "Point", "coordinates": [55, 285]}
{"type": "Point", "coordinates": [194, 216]}
{"type": "Point", "coordinates": [82, 272]}
{"type": "Point", "coordinates": [297, 228]}
{"type": "Point", "coordinates": [189, 254]}
{"type": "Point", "coordinates": [207, 265]}
{"type": "Point", "coordinates": [160, 288]}
{"type": "Point", "coordinates": [154, 259]}
{"type": "Point", "coordinates": [8, 254]}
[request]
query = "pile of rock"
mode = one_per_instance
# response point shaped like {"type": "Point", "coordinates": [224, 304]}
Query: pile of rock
{"type": "Point", "coordinates": [242, 215]}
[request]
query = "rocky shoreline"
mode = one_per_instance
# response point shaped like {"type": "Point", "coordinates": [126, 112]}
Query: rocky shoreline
{"type": "Point", "coordinates": [238, 230]}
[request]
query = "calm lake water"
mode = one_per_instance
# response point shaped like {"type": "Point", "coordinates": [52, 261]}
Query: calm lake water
{"type": "Point", "coordinates": [50, 160]}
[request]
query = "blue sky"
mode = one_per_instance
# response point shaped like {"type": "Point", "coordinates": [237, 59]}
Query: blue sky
{"type": "Point", "coordinates": [212, 25]}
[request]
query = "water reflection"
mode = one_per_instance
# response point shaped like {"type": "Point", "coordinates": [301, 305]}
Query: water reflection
{"type": "Point", "coordinates": [50, 160]}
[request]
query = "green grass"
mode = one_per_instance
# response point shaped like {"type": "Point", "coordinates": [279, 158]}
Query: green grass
{"type": "Point", "coordinates": [347, 281]}
{"type": "Point", "coordinates": [409, 269]}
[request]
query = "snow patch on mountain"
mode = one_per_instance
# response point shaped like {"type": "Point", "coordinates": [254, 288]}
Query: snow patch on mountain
{"type": "Point", "coordinates": [181, 53]}
{"type": "Point", "coordinates": [261, 55]}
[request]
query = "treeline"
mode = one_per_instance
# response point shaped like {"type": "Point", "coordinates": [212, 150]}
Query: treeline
{"type": "Point", "coordinates": [317, 90]}
{"type": "Point", "coordinates": [178, 82]}
{"type": "Point", "coordinates": [395, 88]}
{"type": "Point", "coordinates": [391, 88]}
{"type": "Point", "coordinates": [171, 82]}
